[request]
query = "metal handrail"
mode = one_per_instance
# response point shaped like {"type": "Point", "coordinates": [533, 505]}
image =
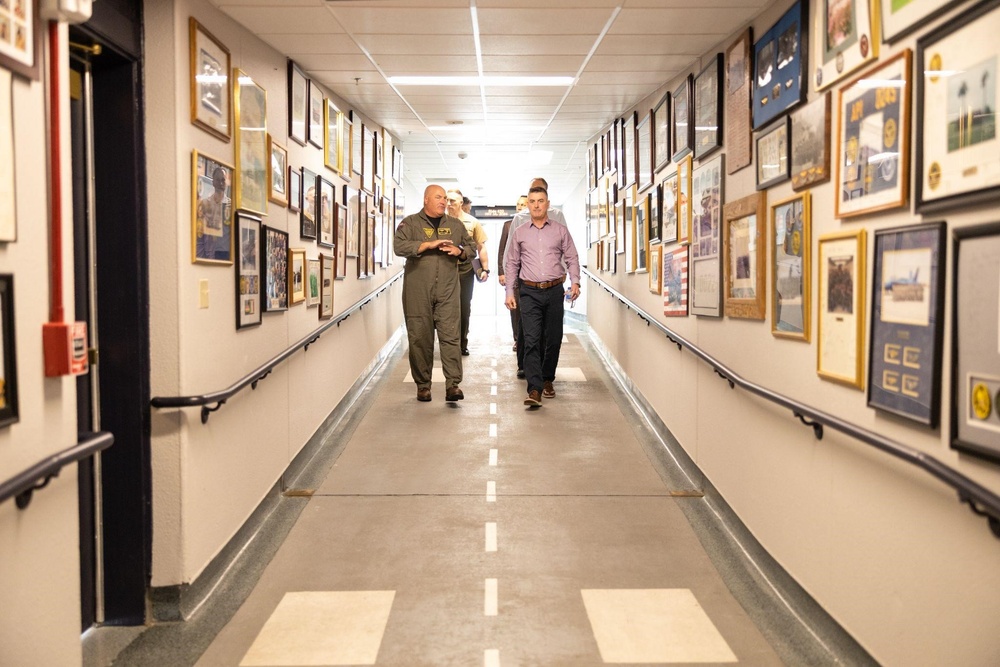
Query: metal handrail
{"type": "Point", "coordinates": [21, 486]}
{"type": "Point", "coordinates": [980, 500]}
{"type": "Point", "coordinates": [251, 379]}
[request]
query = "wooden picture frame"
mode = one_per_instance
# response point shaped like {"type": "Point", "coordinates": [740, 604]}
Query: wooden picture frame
{"type": "Point", "coordinates": [296, 275]}
{"type": "Point", "coordinates": [682, 115]}
{"type": "Point", "coordinates": [779, 66]}
{"type": "Point", "coordinates": [675, 282]}
{"type": "Point", "coordinates": [308, 223]}
{"type": "Point", "coordinates": [656, 268]}
{"type": "Point", "coordinates": [640, 222]}
{"type": "Point", "coordinates": [346, 147]}
{"type": "Point", "coordinates": [9, 411]}
{"type": "Point", "coordinates": [352, 199]}
{"type": "Point", "coordinates": [248, 270]}
{"type": "Point", "coordinates": [705, 258]}
{"type": "Point", "coordinates": [341, 244]}
{"type": "Point", "coordinates": [294, 190]}
{"type": "Point", "coordinates": [325, 207]}
{"type": "Point", "coordinates": [644, 151]}
{"type": "Point", "coordinates": [773, 155]}
{"type": "Point", "coordinates": [275, 256]}
{"type": "Point", "coordinates": [211, 210]}
{"type": "Point", "coordinates": [8, 175]}
{"type": "Point", "coordinates": [367, 160]}
{"type": "Point", "coordinates": [841, 265]}
{"type": "Point", "coordinates": [707, 109]}
{"type": "Point", "coordinates": [316, 106]}
{"type": "Point", "coordinates": [958, 146]}
{"type": "Point", "coordinates": [312, 282]}
{"type": "Point", "coordinates": [897, 20]}
{"type": "Point", "coordinates": [277, 174]}
{"type": "Point", "coordinates": [250, 136]}
{"type": "Point", "coordinates": [298, 103]}
{"type": "Point", "coordinates": [668, 206]}
{"type": "Point", "coordinates": [873, 146]}
{"type": "Point", "coordinates": [907, 322]}
{"type": "Point", "coordinates": [661, 133]}
{"type": "Point", "coordinates": [326, 271]}
{"type": "Point", "coordinates": [739, 118]}
{"type": "Point", "coordinates": [845, 37]}
{"type": "Point", "coordinates": [332, 149]}
{"type": "Point", "coordinates": [211, 95]}
{"type": "Point", "coordinates": [684, 168]}
{"type": "Point", "coordinates": [20, 47]}
{"type": "Point", "coordinates": [357, 159]}
{"type": "Point", "coordinates": [629, 166]}
{"type": "Point", "coordinates": [655, 215]}
{"type": "Point", "coordinates": [378, 146]}
{"type": "Point", "coordinates": [745, 243]}
{"type": "Point", "coordinates": [790, 265]}
{"type": "Point", "coordinates": [810, 143]}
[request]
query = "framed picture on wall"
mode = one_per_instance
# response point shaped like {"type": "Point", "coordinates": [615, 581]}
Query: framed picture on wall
{"type": "Point", "coordinates": [367, 160]}
{"type": "Point", "coordinates": [248, 271]}
{"type": "Point", "coordinates": [8, 194]}
{"type": "Point", "coordinates": [639, 229]}
{"type": "Point", "coordinates": [347, 166]}
{"type": "Point", "coordinates": [661, 133]}
{"type": "Point", "coordinates": [706, 238]}
{"type": "Point", "coordinates": [738, 114]}
{"type": "Point", "coordinates": [8, 353]}
{"type": "Point", "coordinates": [324, 209]}
{"type": "Point", "coordinates": [352, 200]}
{"type": "Point", "coordinates": [644, 152]}
{"type": "Point", "coordinates": [298, 103]}
{"type": "Point", "coordinates": [790, 286]}
{"type": "Point", "coordinates": [779, 64]}
{"type": "Point", "coordinates": [275, 253]}
{"type": "Point", "coordinates": [307, 218]}
{"type": "Point", "coordinates": [296, 275]}
{"type": "Point", "coordinates": [904, 355]}
{"type": "Point", "coordinates": [655, 268]}
{"type": "Point", "coordinates": [844, 38]}
{"type": "Point", "coordinates": [773, 155]}
{"type": "Point", "coordinates": [841, 265]}
{"type": "Point", "coordinates": [682, 130]}
{"type": "Point", "coordinates": [899, 19]}
{"type": "Point", "coordinates": [745, 242]}
{"type": "Point", "coordinates": [341, 214]}
{"type": "Point", "coordinates": [252, 155]}
{"type": "Point", "coordinates": [277, 186]}
{"type": "Point", "coordinates": [708, 109]}
{"type": "Point", "coordinates": [210, 67]}
{"type": "Point", "coordinates": [810, 143]}
{"type": "Point", "coordinates": [629, 165]}
{"type": "Point", "coordinates": [326, 269]}
{"type": "Point", "coordinates": [211, 210]}
{"type": "Point", "coordinates": [315, 115]}
{"type": "Point", "coordinates": [312, 282]}
{"type": "Point", "coordinates": [675, 282]}
{"type": "Point", "coordinates": [655, 217]}
{"type": "Point", "coordinates": [668, 207]}
{"type": "Point", "coordinates": [294, 190]}
{"type": "Point", "coordinates": [357, 163]}
{"type": "Point", "coordinates": [332, 138]}
{"type": "Point", "coordinates": [684, 200]}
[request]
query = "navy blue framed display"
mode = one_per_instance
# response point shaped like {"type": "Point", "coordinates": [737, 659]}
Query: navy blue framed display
{"type": "Point", "coordinates": [779, 61]}
{"type": "Point", "coordinates": [904, 356]}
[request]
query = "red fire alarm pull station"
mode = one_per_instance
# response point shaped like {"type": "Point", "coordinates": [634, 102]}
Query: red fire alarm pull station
{"type": "Point", "coordinates": [65, 346]}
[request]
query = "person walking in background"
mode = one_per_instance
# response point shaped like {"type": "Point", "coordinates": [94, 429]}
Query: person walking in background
{"type": "Point", "coordinates": [535, 259]}
{"type": "Point", "coordinates": [467, 276]}
{"type": "Point", "coordinates": [515, 313]}
{"type": "Point", "coordinates": [433, 244]}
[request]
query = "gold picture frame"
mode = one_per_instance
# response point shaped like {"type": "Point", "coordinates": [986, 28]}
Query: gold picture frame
{"type": "Point", "coordinates": [744, 231]}
{"type": "Point", "coordinates": [250, 137]}
{"type": "Point", "coordinates": [790, 249]}
{"type": "Point", "coordinates": [841, 260]}
{"type": "Point", "coordinates": [656, 268]}
{"type": "Point", "coordinates": [296, 275]}
{"type": "Point", "coordinates": [211, 98]}
{"type": "Point", "coordinates": [332, 137]}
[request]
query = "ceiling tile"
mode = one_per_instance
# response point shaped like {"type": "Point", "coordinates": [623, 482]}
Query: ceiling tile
{"type": "Point", "coordinates": [532, 65]}
{"type": "Point", "coordinates": [269, 20]}
{"type": "Point", "coordinates": [433, 22]}
{"type": "Point", "coordinates": [549, 21]}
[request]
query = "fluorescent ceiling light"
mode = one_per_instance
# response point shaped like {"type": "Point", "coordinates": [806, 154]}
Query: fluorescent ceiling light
{"type": "Point", "coordinates": [485, 81]}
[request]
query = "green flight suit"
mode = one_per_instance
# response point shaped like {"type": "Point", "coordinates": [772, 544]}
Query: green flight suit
{"type": "Point", "coordinates": [432, 295]}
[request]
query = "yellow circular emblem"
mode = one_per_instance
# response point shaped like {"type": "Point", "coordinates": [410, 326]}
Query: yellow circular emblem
{"type": "Point", "coordinates": [935, 66]}
{"type": "Point", "coordinates": [934, 175]}
{"type": "Point", "coordinates": [889, 133]}
{"type": "Point", "coordinates": [796, 242]}
{"type": "Point", "coordinates": [982, 404]}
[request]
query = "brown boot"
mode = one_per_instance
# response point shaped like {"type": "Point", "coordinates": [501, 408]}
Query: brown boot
{"type": "Point", "coordinates": [534, 399]}
{"type": "Point", "coordinates": [423, 394]}
{"type": "Point", "coordinates": [453, 394]}
{"type": "Point", "coordinates": [548, 391]}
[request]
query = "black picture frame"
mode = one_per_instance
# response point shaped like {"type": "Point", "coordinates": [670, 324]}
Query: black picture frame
{"type": "Point", "coordinates": [661, 133]}
{"type": "Point", "coordinates": [298, 103]}
{"type": "Point", "coordinates": [629, 165]}
{"type": "Point", "coordinates": [644, 151]}
{"type": "Point", "coordinates": [907, 317]}
{"type": "Point", "coordinates": [780, 59]}
{"type": "Point", "coordinates": [248, 273]}
{"type": "Point", "coordinates": [316, 108]}
{"type": "Point", "coordinates": [8, 347]}
{"type": "Point", "coordinates": [274, 250]}
{"type": "Point", "coordinates": [307, 216]}
{"type": "Point", "coordinates": [682, 115]}
{"type": "Point", "coordinates": [774, 154]}
{"type": "Point", "coordinates": [707, 108]}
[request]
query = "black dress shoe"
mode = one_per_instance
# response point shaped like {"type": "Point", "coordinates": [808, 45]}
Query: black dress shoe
{"type": "Point", "coordinates": [465, 351]}
{"type": "Point", "coordinates": [520, 372]}
{"type": "Point", "coordinates": [424, 394]}
{"type": "Point", "coordinates": [453, 394]}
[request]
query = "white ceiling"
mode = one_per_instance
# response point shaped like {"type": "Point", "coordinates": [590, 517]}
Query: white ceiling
{"type": "Point", "coordinates": [619, 51]}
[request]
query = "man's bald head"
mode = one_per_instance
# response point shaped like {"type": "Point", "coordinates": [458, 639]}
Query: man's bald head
{"type": "Point", "coordinates": [435, 201]}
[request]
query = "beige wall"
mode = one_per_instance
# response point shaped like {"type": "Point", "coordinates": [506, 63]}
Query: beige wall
{"type": "Point", "coordinates": [886, 549]}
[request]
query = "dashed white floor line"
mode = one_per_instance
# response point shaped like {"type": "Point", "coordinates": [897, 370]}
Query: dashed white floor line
{"type": "Point", "coordinates": [490, 603]}
{"type": "Point", "coordinates": [493, 430]}
{"type": "Point", "coordinates": [491, 492]}
{"type": "Point", "coordinates": [491, 536]}
{"type": "Point", "coordinates": [493, 390]}
{"type": "Point", "coordinates": [493, 376]}
{"type": "Point", "coordinates": [493, 457]}
{"type": "Point", "coordinates": [493, 408]}
{"type": "Point", "coordinates": [491, 657]}
{"type": "Point", "coordinates": [493, 362]}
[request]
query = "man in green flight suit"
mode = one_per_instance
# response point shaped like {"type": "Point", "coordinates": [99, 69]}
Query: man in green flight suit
{"type": "Point", "coordinates": [433, 244]}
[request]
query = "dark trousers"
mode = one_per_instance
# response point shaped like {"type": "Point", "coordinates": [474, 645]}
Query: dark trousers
{"type": "Point", "coordinates": [542, 327]}
{"type": "Point", "coordinates": [468, 281]}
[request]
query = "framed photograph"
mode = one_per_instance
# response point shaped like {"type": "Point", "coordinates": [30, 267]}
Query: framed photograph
{"type": "Point", "coordinates": [629, 165]}
{"type": "Point", "coordinates": [780, 61]}
{"type": "Point", "coordinates": [844, 38]}
{"type": "Point", "coordinates": [899, 19]}
{"type": "Point", "coordinates": [617, 237]}
{"type": "Point", "coordinates": [654, 218]}
{"type": "Point", "coordinates": [294, 190]}
{"type": "Point", "coordinates": [841, 265]}
{"type": "Point", "coordinates": [367, 160]}
{"type": "Point", "coordinates": [210, 91]}
{"type": "Point", "coordinates": [363, 245]}
{"type": "Point", "coordinates": [211, 210]}
{"type": "Point", "coordinates": [21, 37]}
{"type": "Point", "coordinates": [682, 129]}
{"type": "Point", "coordinates": [811, 143]}
{"type": "Point", "coordinates": [708, 109]}
{"type": "Point", "coordinates": [706, 238]}
{"type": "Point", "coordinates": [975, 367]}
{"type": "Point", "coordinates": [357, 162]}
{"type": "Point", "coordinates": [8, 177]}
{"type": "Point", "coordinates": [378, 147]}
{"type": "Point", "coordinates": [661, 133]}
{"type": "Point", "coordinates": [873, 147]}
{"type": "Point", "coordinates": [307, 218]}
{"type": "Point", "coordinates": [347, 164]}
{"type": "Point", "coordinates": [644, 151]}
{"type": "Point", "coordinates": [275, 253]}
{"type": "Point", "coordinates": [790, 229]}
{"type": "Point", "coordinates": [355, 206]}
{"type": "Point", "coordinates": [312, 282]}
{"type": "Point", "coordinates": [745, 241]}
{"type": "Point", "coordinates": [298, 103]}
{"type": "Point", "coordinates": [958, 149]}
{"type": "Point", "coordinates": [252, 155]}
{"type": "Point", "coordinates": [316, 105]}
{"type": "Point", "coordinates": [248, 271]}
{"type": "Point", "coordinates": [738, 118]}
{"type": "Point", "coordinates": [668, 206]}
{"type": "Point", "coordinates": [656, 268]}
{"type": "Point", "coordinates": [397, 166]}
{"type": "Point", "coordinates": [773, 155]}
{"type": "Point", "coordinates": [684, 200]}
{"type": "Point", "coordinates": [326, 270]}
{"type": "Point", "coordinates": [296, 275]}
{"type": "Point", "coordinates": [904, 355]}
{"type": "Point", "coordinates": [675, 279]}
{"type": "Point", "coordinates": [640, 223]}
{"type": "Point", "coordinates": [341, 214]}
{"type": "Point", "coordinates": [333, 150]}
{"type": "Point", "coordinates": [277, 186]}
{"type": "Point", "coordinates": [8, 353]}
{"type": "Point", "coordinates": [324, 208]}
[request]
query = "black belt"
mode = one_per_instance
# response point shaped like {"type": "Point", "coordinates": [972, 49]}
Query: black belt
{"type": "Point", "coordinates": [551, 283]}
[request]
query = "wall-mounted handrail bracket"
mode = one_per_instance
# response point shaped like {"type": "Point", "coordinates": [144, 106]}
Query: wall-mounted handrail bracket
{"type": "Point", "coordinates": [816, 426]}
{"type": "Point", "coordinates": [311, 341]}
{"type": "Point", "coordinates": [253, 385]}
{"type": "Point", "coordinates": [22, 486]}
{"type": "Point", "coordinates": [206, 411]}
{"type": "Point", "coordinates": [732, 385]}
{"type": "Point", "coordinates": [23, 499]}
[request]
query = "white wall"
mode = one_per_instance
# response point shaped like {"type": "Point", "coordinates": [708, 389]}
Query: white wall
{"type": "Point", "coordinates": [886, 549]}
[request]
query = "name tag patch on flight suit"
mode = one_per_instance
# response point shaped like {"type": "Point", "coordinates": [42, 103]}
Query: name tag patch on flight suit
{"type": "Point", "coordinates": [444, 231]}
